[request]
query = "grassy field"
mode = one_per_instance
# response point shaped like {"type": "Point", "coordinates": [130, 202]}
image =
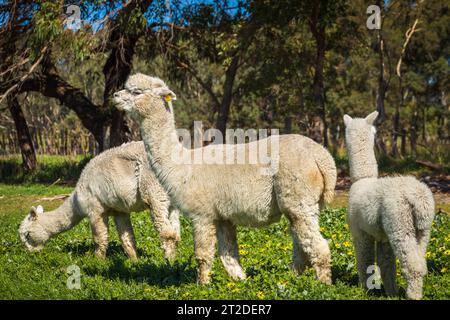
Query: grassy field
{"type": "Point", "coordinates": [266, 255]}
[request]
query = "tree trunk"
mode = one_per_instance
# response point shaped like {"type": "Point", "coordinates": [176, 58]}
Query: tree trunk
{"type": "Point", "coordinates": [318, 31]}
{"type": "Point", "coordinates": [50, 84]}
{"type": "Point", "coordinates": [395, 132]}
{"type": "Point", "coordinates": [116, 71]}
{"type": "Point", "coordinates": [118, 67]}
{"type": "Point", "coordinates": [403, 143]}
{"type": "Point", "coordinates": [23, 135]}
{"type": "Point", "coordinates": [224, 110]}
{"type": "Point", "coordinates": [288, 124]}
{"type": "Point", "coordinates": [381, 93]}
{"type": "Point", "coordinates": [413, 130]}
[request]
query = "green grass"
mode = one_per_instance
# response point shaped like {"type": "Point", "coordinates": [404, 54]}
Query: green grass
{"type": "Point", "coordinates": [51, 169]}
{"type": "Point", "coordinates": [65, 170]}
{"type": "Point", "coordinates": [265, 254]}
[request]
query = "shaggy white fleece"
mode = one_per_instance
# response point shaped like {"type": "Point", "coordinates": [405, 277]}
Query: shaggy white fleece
{"type": "Point", "coordinates": [393, 214]}
{"type": "Point", "coordinates": [219, 197]}
{"type": "Point", "coordinates": [116, 182]}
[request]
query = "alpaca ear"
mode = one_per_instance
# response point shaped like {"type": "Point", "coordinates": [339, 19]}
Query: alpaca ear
{"type": "Point", "coordinates": [166, 93]}
{"type": "Point", "coordinates": [347, 119]}
{"type": "Point", "coordinates": [33, 213]}
{"type": "Point", "coordinates": [370, 119]}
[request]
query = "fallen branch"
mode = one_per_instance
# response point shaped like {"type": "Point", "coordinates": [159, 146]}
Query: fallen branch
{"type": "Point", "coordinates": [430, 165]}
{"type": "Point", "coordinates": [58, 197]}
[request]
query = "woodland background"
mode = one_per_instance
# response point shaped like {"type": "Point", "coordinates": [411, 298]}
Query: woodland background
{"type": "Point", "coordinates": [294, 65]}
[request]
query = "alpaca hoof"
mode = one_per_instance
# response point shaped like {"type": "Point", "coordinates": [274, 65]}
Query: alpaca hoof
{"type": "Point", "coordinates": [100, 254]}
{"type": "Point", "coordinates": [238, 276]}
{"type": "Point", "coordinates": [202, 280]}
{"type": "Point", "coordinates": [414, 295]}
{"type": "Point", "coordinates": [297, 269]}
{"type": "Point", "coordinates": [133, 258]}
{"type": "Point", "coordinates": [170, 249]}
{"type": "Point", "coordinates": [325, 278]}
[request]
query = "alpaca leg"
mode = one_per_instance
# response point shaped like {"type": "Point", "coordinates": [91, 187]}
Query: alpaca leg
{"type": "Point", "coordinates": [174, 218]}
{"type": "Point", "coordinates": [386, 262]}
{"type": "Point", "coordinates": [169, 237]}
{"type": "Point", "coordinates": [423, 237]}
{"type": "Point", "coordinates": [299, 257]}
{"type": "Point", "coordinates": [99, 225]}
{"type": "Point", "coordinates": [126, 234]}
{"type": "Point", "coordinates": [156, 198]}
{"type": "Point", "coordinates": [204, 245]}
{"type": "Point", "coordinates": [413, 264]}
{"type": "Point", "coordinates": [306, 230]}
{"type": "Point", "coordinates": [228, 249]}
{"type": "Point", "coordinates": [365, 255]}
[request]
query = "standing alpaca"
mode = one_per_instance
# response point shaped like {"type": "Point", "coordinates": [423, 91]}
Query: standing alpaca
{"type": "Point", "coordinates": [394, 212]}
{"type": "Point", "coordinates": [219, 197]}
{"type": "Point", "coordinates": [116, 182]}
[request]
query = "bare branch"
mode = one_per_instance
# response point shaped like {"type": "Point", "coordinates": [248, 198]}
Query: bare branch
{"type": "Point", "coordinates": [408, 36]}
{"type": "Point", "coordinates": [26, 75]}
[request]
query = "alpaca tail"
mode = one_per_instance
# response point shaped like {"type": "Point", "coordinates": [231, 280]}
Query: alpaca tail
{"type": "Point", "coordinates": [422, 204]}
{"type": "Point", "coordinates": [327, 168]}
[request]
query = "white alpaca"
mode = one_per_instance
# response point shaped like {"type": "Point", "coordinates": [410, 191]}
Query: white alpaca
{"type": "Point", "coordinates": [396, 213]}
{"type": "Point", "coordinates": [219, 197]}
{"type": "Point", "coordinates": [116, 182]}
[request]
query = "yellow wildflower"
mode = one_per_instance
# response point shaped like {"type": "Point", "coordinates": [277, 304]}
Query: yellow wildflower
{"type": "Point", "coordinates": [243, 252]}
{"type": "Point", "coordinates": [260, 295]}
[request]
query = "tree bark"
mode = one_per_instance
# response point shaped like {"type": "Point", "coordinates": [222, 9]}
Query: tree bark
{"type": "Point", "coordinates": [118, 67]}
{"type": "Point", "coordinates": [50, 84]}
{"type": "Point", "coordinates": [395, 132]}
{"type": "Point", "coordinates": [382, 87]}
{"type": "Point", "coordinates": [116, 71]}
{"type": "Point", "coordinates": [224, 110]}
{"type": "Point", "coordinates": [318, 31]}
{"type": "Point", "coordinates": [23, 135]}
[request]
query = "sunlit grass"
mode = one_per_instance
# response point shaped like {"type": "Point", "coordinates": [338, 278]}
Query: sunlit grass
{"type": "Point", "coordinates": [265, 254]}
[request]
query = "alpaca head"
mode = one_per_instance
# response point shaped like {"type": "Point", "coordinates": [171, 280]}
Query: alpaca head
{"type": "Point", "coordinates": [31, 231]}
{"type": "Point", "coordinates": [360, 132]}
{"type": "Point", "coordinates": [143, 96]}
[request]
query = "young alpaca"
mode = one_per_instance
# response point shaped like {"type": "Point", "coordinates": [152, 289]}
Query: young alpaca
{"type": "Point", "coordinates": [394, 212]}
{"type": "Point", "coordinates": [219, 197]}
{"type": "Point", "coordinates": [116, 182]}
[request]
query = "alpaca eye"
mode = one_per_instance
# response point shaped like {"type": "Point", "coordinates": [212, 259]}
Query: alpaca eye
{"type": "Point", "coordinates": [137, 91]}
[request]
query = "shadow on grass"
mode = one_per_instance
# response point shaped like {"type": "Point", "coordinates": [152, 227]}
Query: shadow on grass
{"type": "Point", "coordinates": [82, 248]}
{"type": "Point", "coordinates": [342, 274]}
{"type": "Point", "coordinates": [162, 275]}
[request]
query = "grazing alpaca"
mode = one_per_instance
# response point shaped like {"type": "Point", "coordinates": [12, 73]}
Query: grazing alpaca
{"type": "Point", "coordinates": [394, 212]}
{"type": "Point", "coordinates": [219, 197]}
{"type": "Point", "coordinates": [116, 182]}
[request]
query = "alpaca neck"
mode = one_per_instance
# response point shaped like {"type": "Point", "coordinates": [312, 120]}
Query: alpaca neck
{"type": "Point", "coordinates": [61, 219]}
{"type": "Point", "coordinates": [363, 163]}
{"type": "Point", "coordinates": [162, 146]}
